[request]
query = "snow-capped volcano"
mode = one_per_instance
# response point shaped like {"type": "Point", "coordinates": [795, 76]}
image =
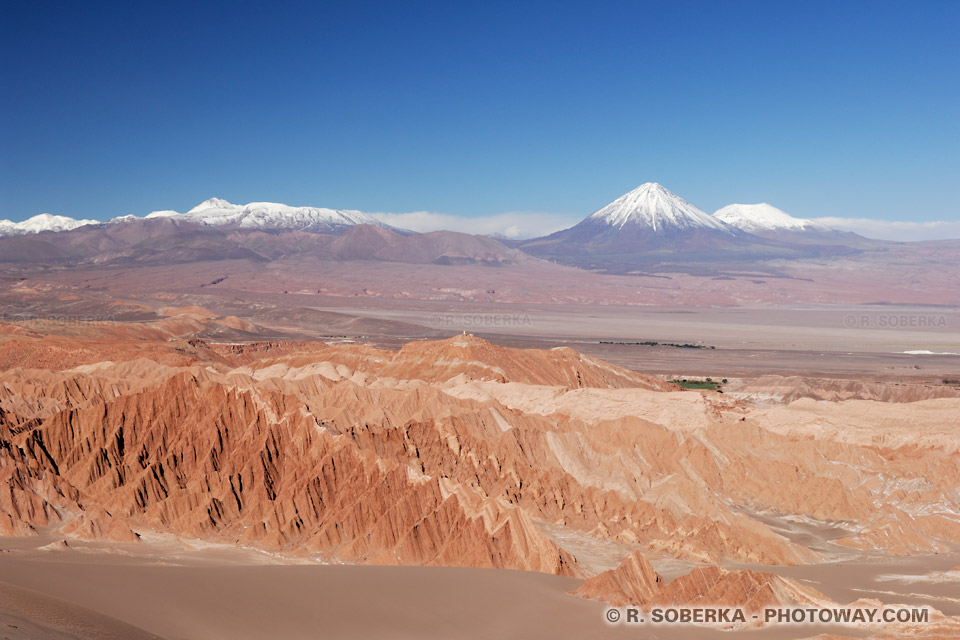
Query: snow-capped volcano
{"type": "Point", "coordinates": [651, 225]}
{"type": "Point", "coordinates": [270, 215]}
{"type": "Point", "coordinates": [652, 206]}
{"type": "Point", "coordinates": [40, 223]}
{"type": "Point", "coordinates": [646, 223]}
{"type": "Point", "coordinates": [757, 218]}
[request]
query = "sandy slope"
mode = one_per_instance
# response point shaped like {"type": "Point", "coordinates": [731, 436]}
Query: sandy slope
{"type": "Point", "coordinates": [35, 615]}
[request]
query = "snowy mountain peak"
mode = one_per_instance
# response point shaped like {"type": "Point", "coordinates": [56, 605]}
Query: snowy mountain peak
{"type": "Point", "coordinates": [653, 206]}
{"type": "Point", "coordinates": [269, 215]}
{"type": "Point", "coordinates": [217, 212]}
{"type": "Point", "coordinates": [39, 223]}
{"type": "Point", "coordinates": [212, 203]}
{"type": "Point", "coordinates": [166, 213]}
{"type": "Point", "coordinates": [754, 218]}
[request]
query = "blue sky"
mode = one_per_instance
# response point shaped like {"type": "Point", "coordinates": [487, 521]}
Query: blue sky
{"type": "Point", "coordinates": [837, 109]}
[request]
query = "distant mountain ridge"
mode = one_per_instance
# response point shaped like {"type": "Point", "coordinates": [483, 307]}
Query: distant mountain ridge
{"type": "Point", "coordinates": [271, 215]}
{"type": "Point", "coordinates": [216, 212]}
{"type": "Point", "coordinates": [761, 217]}
{"type": "Point", "coordinates": [364, 242]}
{"type": "Point", "coordinates": [40, 223]}
{"type": "Point", "coordinates": [767, 221]}
{"type": "Point", "coordinates": [647, 226]}
{"type": "Point", "coordinates": [179, 238]}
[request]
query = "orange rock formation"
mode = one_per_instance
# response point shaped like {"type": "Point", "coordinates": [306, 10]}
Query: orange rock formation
{"type": "Point", "coordinates": [635, 582]}
{"type": "Point", "coordinates": [453, 452]}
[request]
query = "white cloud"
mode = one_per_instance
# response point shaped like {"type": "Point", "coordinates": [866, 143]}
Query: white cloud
{"type": "Point", "coordinates": [896, 230]}
{"type": "Point", "coordinates": [516, 225]}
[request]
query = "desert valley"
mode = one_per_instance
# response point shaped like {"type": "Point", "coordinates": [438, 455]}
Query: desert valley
{"type": "Point", "coordinates": [251, 421]}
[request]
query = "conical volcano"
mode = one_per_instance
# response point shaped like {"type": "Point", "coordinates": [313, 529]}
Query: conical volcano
{"type": "Point", "coordinates": [649, 224]}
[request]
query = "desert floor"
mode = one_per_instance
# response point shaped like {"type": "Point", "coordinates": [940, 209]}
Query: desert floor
{"type": "Point", "coordinates": [202, 591]}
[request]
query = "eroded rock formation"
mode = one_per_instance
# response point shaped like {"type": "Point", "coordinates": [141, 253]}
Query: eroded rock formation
{"type": "Point", "coordinates": [455, 452]}
{"type": "Point", "coordinates": [635, 582]}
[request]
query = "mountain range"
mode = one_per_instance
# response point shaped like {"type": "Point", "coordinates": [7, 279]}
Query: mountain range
{"type": "Point", "coordinates": [650, 205]}
{"type": "Point", "coordinates": [767, 221]}
{"type": "Point", "coordinates": [40, 223]}
{"type": "Point", "coordinates": [216, 212]}
{"type": "Point", "coordinates": [646, 227]}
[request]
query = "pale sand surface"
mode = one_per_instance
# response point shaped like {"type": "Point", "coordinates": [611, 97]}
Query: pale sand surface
{"type": "Point", "coordinates": [180, 589]}
{"type": "Point", "coordinates": [239, 602]}
{"type": "Point", "coordinates": [31, 615]}
{"type": "Point", "coordinates": [884, 579]}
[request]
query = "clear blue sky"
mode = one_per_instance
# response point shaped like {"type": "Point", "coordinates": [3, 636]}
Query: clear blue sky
{"type": "Point", "coordinates": [833, 109]}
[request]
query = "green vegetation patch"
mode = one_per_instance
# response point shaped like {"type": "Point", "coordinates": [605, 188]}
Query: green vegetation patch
{"type": "Point", "coordinates": [708, 384]}
{"type": "Point", "coordinates": [654, 343]}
